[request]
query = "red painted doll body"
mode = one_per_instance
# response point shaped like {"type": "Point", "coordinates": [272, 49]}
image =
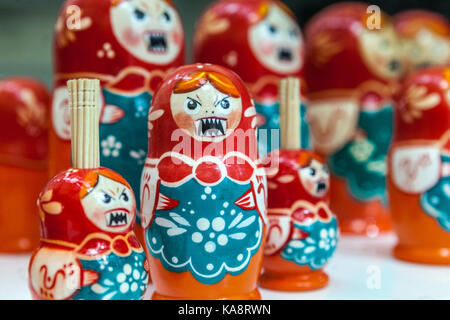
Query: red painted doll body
{"type": "Point", "coordinates": [24, 105]}
{"type": "Point", "coordinates": [88, 249]}
{"type": "Point", "coordinates": [269, 47]}
{"type": "Point", "coordinates": [352, 69]}
{"type": "Point", "coordinates": [302, 232]}
{"type": "Point", "coordinates": [203, 188]}
{"type": "Point", "coordinates": [129, 45]}
{"type": "Point", "coordinates": [425, 37]}
{"type": "Point", "coordinates": [419, 168]}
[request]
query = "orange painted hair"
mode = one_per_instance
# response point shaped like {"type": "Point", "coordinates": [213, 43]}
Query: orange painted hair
{"type": "Point", "coordinates": [91, 180]}
{"type": "Point", "coordinates": [305, 158]}
{"type": "Point", "coordinates": [116, 2]}
{"type": "Point", "coordinates": [264, 8]}
{"type": "Point", "coordinates": [412, 27]}
{"type": "Point", "coordinates": [198, 79]}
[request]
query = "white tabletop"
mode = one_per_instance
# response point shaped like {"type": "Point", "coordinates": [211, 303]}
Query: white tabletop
{"type": "Point", "coordinates": [362, 268]}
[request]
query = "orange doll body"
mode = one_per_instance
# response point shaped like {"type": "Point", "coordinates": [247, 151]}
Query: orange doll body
{"type": "Point", "coordinates": [203, 196]}
{"type": "Point", "coordinates": [419, 168]}
{"type": "Point", "coordinates": [23, 160]}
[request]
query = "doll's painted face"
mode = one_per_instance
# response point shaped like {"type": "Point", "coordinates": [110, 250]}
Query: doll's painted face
{"type": "Point", "coordinates": [276, 41]}
{"type": "Point", "coordinates": [110, 205]}
{"type": "Point", "coordinates": [150, 30]}
{"type": "Point", "coordinates": [315, 178]}
{"type": "Point", "coordinates": [381, 52]}
{"type": "Point", "coordinates": [207, 106]}
{"type": "Point", "coordinates": [426, 49]}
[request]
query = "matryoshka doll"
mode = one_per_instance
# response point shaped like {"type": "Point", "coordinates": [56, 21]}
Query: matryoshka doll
{"type": "Point", "coordinates": [203, 188]}
{"type": "Point", "coordinates": [88, 249]}
{"type": "Point", "coordinates": [419, 168]}
{"type": "Point", "coordinates": [129, 45]}
{"type": "Point", "coordinates": [425, 38]}
{"type": "Point", "coordinates": [352, 68]}
{"type": "Point", "coordinates": [24, 105]}
{"type": "Point", "coordinates": [302, 231]}
{"type": "Point", "coordinates": [269, 47]}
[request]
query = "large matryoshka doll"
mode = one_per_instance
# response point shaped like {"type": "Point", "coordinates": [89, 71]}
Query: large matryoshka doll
{"type": "Point", "coordinates": [129, 45]}
{"type": "Point", "coordinates": [269, 46]}
{"type": "Point", "coordinates": [425, 37]}
{"type": "Point", "coordinates": [24, 104]}
{"type": "Point", "coordinates": [203, 188]}
{"type": "Point", "coordinates": [88, 250]}
{"type": "Point", "coordinates": [352, 68]}
{"type": "Point", "coordinates": [419, 168]}
{"type": "Point", "coordinates": [302, 231]}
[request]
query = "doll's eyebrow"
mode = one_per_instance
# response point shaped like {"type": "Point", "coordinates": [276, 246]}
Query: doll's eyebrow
{"type": "Point", "coordinates": [195, 100]}
{"type": "Point", "coordinates": [111, 194]}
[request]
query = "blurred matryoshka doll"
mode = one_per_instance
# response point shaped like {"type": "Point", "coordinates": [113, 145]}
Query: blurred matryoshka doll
{"type": "Point", "coordinates": [419, 168]}
{"type": "Point", "coordinates": [261, 41]}
{"type": "Point", "coordinates": [352, 68]}
{"type": "Point", "coordinates": [129, 45]}
{"type": "Point", "coordinates": [302, 232]}
{"type": "Point", "coordinates": [88, 250]}
{"type": "Point", "coordinates": [24, 105]}
{"type": "Point", "coordinates": [203, 189]}
{"type": "Point", "coordinates": [425, 38]}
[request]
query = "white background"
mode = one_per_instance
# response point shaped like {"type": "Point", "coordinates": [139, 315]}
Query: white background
{"type": "Point", "coordinates": [362, 268]}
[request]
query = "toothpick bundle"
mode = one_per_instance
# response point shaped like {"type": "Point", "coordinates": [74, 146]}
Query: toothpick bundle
{"type": "Point", "coordinates": [289, 93]}
{"type": "Point", "coordinates": [84, 122]}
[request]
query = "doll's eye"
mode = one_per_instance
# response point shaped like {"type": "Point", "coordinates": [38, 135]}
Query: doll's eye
{"type": "Point", "coordinates": [312, 171]}
{"type": "Point", "coordinates": [106, 198]}
{"type": "Point", "coordinates": [225, 105]}
{"type": "Point", "coordinates": [124, 197]}
{"type": "Point", "coordinates": [139, 14]}
{"type": "Point", "coordinates": [191, 106]}
{"type": "Point", "coordinates": [272, 29]}
{"type": "Point", "coordinates": [166, 16]}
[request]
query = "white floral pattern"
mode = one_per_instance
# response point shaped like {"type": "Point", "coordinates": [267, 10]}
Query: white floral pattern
{"type": "Point", "coordinates": [111, 147]}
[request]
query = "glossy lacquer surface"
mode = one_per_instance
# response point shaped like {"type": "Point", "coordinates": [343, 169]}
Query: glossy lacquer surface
{"type": "Point", "coordinates": [419, 168]}
{"type": "Point", "coordinates": [352, 68]}
{"type": "Point", "coordinates": [302, 231]}
{"type": "Point", "coordinates": [203, 187]}
{"type": "Point", "coordinates": [129, 45]}
{"type": "Point", "coordinates": [88, 249]}
{"type": "Point", "coordinates": [269, 46]}
{"type": "Point", "coordinates": [24, 105]}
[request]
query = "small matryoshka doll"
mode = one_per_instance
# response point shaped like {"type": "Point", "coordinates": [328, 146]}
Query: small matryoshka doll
{"type": "Point", "coordinates": [302, 232]}
{"type": "Point", "coordinates": [88, 249]}
{"type": "Point", "coordinates": [352, 68]}
{"type": "Point", "coordinates": [425, 38]}
{"type": "Point", "coordinates": [129, 45]}
{"type": "Point", "coordinates": [203, 188]}
{"type": "Point", "coordinates": [269, 47]}
{"type": "Point", "coordinates": [24, 104]}
{"type": "Point", "coordinates": [419, 168]}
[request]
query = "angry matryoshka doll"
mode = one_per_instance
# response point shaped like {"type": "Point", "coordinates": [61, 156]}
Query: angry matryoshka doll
{"type": "Point", "coordinates": [203, 188]}
{"type": "Point", "coordinates": [268, 48]}
{"type": "Point", "coordinates": [419, 168]}
{"type": "Point", "coordinates": [425, 37]}
{"type": "Point", "coordinates": [302, 231]}
{"type": "Point", "coordinates": [88, 249]}
{"type": "Point", "coordinates": [352, 68]}
{"type": "Point", "coordinates": [129, 45]}
{"type": "Point", "coordinates": [24, 105]}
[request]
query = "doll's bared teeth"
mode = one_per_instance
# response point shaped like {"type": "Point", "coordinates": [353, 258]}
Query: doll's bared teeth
{"type": "Point", "coordinates": [321, 186]}
{"type": "Point", "coordinates": [285, 54]}
{"type": "Point", "coordinates": [157, 42]}
{"type": "Point", "coordinates": [116, 218]}
{"type": "Point", "coordinates": [211, 127]}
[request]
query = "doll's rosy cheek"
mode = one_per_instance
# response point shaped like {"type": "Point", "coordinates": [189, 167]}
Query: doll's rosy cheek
{"type": "Point", "coordinates": [177, 38]}
{"type": "Point", "coordinates": [309, 185]}
{"type": "Point", "coordinates": [267, 47]}
{"type": "Point", "coordinates": [131, 37]}
{"type": "Point", "coordinates": [183, 120]}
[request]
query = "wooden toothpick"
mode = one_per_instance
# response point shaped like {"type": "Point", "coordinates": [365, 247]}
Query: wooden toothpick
{"type": "Point", "coordinates": [84, 118]}
{"type": "Point", "coordinates": [289, 93]}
